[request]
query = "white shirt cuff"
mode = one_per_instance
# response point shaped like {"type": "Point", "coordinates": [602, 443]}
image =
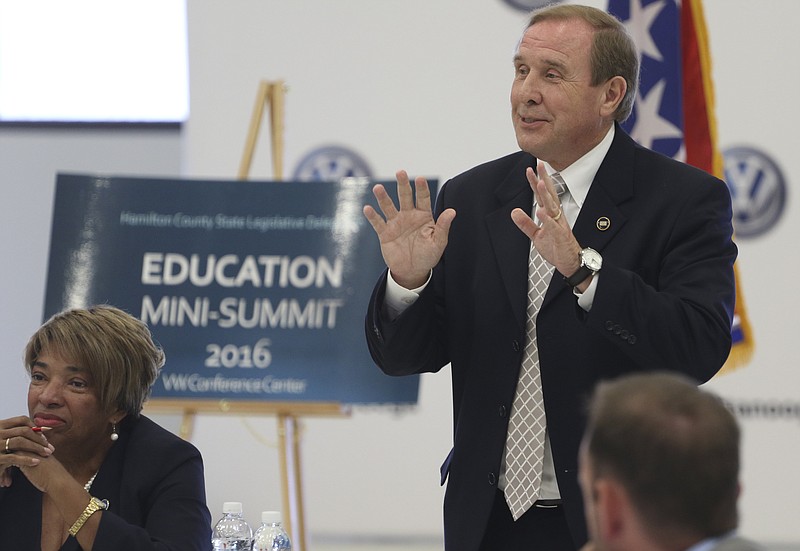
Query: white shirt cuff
{"type": "Point", "coordinates": [398, 298]}
{"type": "Point", "coordinates": [586, 299]}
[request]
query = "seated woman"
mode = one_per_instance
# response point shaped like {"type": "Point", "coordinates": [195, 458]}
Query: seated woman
{"type": "Point", "coordinates": [85, 470]}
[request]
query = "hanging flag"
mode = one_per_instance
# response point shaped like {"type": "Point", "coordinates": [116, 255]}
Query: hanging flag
{"type": "Point", "coordinates": [674, 112]}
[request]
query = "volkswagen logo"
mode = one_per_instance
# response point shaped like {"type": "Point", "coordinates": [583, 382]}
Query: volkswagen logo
{"type": "Point", "coordinates": [331, 164]}
{"type": "Point", "coordinates": [758, 190]}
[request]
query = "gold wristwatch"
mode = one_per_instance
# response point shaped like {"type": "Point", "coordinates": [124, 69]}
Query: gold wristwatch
{"type": "Point", "coordinates": [94, 506]}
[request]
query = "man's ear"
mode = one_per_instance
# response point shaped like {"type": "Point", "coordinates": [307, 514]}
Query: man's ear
{"type": "Point", "coordinates": [613, 93]}
{"type": "Point", "coordinates": [612, 509]}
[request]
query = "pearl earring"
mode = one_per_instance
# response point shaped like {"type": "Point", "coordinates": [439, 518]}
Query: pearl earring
{"type": "Point", "coordinates": [114, 435]}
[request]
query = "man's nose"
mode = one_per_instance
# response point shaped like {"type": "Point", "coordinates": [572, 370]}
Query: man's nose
{"type": "Point", "coordinates": [531, 90]}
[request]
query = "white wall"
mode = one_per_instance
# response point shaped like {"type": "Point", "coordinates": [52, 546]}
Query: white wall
{"type": "Point", "coordinates": [754, 48]}
{"type": "Point", "coordinates": [30, 158]}
{"type": "Point", "coordinates": [424, 86]}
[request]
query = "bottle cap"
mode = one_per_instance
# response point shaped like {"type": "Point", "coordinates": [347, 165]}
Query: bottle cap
{"type": "Point", "coordinates": [232, 507]}
{"type": "Point", "coordinates": [271, 517]}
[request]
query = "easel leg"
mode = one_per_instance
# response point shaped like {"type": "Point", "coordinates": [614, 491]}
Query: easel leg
{"type": "Point", "coordinates": [262, 96]}
{"type": "Point", "coordinates": [291, 475]}
{"type": "Point", "coordinates": [187, 424]}
{"type": "Point", "coordinates": [272, 93]}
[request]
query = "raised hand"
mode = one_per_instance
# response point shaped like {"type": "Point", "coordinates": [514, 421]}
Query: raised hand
{"type": "Point", "coordinates": [552, 237]}
{"type": "Point", "coordinates": [412, 242]}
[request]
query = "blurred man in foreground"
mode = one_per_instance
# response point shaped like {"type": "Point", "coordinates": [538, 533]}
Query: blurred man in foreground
{"type": "Point", "coordinates": [659, 468]}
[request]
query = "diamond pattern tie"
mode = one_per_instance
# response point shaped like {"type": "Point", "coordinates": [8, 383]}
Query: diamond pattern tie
{"type": "Point", "coordinates": [527, 423]}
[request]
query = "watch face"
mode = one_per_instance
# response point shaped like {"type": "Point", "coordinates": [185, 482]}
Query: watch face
{"type": "Point", "coordinates": [592, 259]}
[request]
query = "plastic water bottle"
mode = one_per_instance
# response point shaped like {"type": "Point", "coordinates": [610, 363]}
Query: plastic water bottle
{"type": "Point", "coordinates": [232, 533]}
{"type": "Point", "coordinates": [271, 536]}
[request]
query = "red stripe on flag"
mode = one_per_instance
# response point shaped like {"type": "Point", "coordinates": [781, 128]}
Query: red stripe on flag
{"type": "Point", "coordinates": [696, 128]}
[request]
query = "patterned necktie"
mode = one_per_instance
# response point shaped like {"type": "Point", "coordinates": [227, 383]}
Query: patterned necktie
{"type": "Point", "coordinates": [527, 423]}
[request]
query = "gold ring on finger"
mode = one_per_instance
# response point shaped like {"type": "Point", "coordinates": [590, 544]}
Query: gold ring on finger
{"type": "Point", "coordinates": [557, 217]}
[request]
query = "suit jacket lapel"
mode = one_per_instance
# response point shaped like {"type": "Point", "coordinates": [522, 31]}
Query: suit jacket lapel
{"type": "Point", "coordinates": [510, 245]}
{"type": "Point", "coordinates": [601, 216]}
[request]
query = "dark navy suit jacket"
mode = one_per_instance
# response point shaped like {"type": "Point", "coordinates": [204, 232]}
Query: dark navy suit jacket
{"type": "Point", "coordinates": [154, 483]}
{"type": "Point", "coordinates": [664, 301]}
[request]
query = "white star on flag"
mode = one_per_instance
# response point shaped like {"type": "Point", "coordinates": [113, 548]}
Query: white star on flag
{"type": "Point", "coordinates": [638, 25]}
{"type": "Point", "coordinates": [650, 125]}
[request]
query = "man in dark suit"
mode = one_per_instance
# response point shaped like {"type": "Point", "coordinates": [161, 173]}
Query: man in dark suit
{"type": "Point", "coordinates": [659, 467]}
{"type": "Point", "coordinates": [639, 258]}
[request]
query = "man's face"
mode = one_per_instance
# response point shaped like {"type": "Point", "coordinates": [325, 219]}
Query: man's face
{"type": "Point", "coordinates": [555, 109]}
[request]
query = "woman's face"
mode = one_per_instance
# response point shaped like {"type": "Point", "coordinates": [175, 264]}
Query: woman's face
{"type": "Point", "coordinates": [63, 396]}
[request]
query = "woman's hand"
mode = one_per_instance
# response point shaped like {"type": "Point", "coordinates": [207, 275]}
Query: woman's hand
{"type": "Point", "coordinates": [21, 445]}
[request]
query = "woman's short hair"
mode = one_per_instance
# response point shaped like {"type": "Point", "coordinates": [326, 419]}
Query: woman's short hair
{"type": "Point", "coordinates": [116, 348]}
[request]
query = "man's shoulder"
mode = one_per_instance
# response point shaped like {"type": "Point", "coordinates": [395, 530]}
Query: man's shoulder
{"type": "Point", "coordinates": [657, 164]}
{"type": "Point", "coordinates": [485, 179]}
{"type": "Point", "coordinates": [502, 165]}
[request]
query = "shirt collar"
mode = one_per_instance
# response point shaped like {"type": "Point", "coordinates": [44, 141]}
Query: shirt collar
{"type": "Point", "coordinates": [579, 175]}
{"type": "Point", "coordinates": [705, 545]}
{"type": "Point", "coordinates": [709, 543]}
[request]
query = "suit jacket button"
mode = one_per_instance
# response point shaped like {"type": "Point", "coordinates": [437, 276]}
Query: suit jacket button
{"type": "Point", "coordinates": [515, 345]}
{"type": "Point", "coordinates": [502, 412]}
{"type": "Point", "coordinates": [624, 334]}
{"type": "Point", "coordinates": [609, 325]}
{"type": "Point", "coordinates": [632, 339]}
{"type": "Point", "coordinates": [492, 479]}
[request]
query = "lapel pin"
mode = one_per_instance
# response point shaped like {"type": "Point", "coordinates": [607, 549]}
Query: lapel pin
{"type": "Point", "coordinates": [603, 223]}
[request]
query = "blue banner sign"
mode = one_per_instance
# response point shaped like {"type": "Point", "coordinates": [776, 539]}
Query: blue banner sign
{"type": "Point", "coordinates": [257, 291]}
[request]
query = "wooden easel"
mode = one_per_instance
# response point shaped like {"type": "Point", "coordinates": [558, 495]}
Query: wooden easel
{"type": "Point", "coordinates": [272, 94]}
{"type": "Point", "coordinates": [288, 414]}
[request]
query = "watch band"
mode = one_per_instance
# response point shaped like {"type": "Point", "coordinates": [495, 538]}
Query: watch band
{"type": "Point", "coordinates": [94, 506]}
{"type": "Point", "coordinates": [579, 276]}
